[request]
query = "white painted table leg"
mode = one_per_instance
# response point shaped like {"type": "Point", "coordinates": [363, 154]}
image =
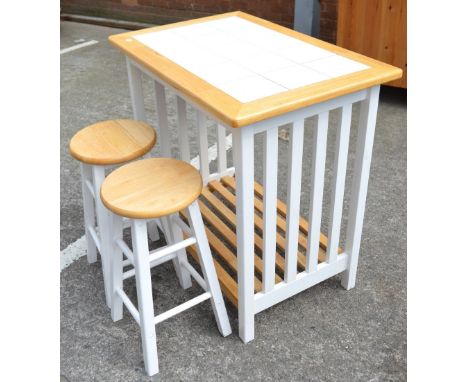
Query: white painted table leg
{"type": "Point", "coordinates": [89, 211]}
{"type": "Point", "coordinates": [104, 222]}
{"type": "Point", "coordinates": [365, 140]}
{"type": "Point", "coordinates": [163, 123]}
{"type": "Point", "coordinates": [145, 295]}
{"type": "Point", "coordinates": [184, 146]}
{"type": "Point", "coordinates": [208, 269]}
{"type": "Point", "coordinates": [136, 91]}
{"type": "Point", "coordinates": [138, 105]}
{"type": "Point", "coordinates": [244, 164]}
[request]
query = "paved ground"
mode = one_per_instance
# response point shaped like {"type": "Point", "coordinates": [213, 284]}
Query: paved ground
{"type": "Point", "coordinates": [322, 334]}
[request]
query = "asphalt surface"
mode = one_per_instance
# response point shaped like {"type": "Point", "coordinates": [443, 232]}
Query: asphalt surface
{"type": "Point", "coordinates": [323, 334]}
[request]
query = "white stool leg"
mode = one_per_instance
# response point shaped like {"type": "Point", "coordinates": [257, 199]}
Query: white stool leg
{"type": "Point", "coordinates": [104, 222]}
{"type": "Point", "coordinates": [145, 295]}
{"type": "Point", "coordinates": [182, 274]}
{"type": "Point", "coordinates": [88, 209]}
{"type": "Point", "coordinates": [209, 272]}
{"type": "Point", "coordinates": [176, 237]}
{"type": "Point", "coordinates": [153, 232]}
{"type": "Point", "coordinates": [116, 267]}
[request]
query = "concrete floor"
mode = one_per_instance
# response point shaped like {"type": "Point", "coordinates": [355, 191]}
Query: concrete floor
{"type": "Point", "coordinates": [323, 334]}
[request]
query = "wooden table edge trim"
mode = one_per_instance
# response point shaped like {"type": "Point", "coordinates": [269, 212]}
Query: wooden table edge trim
{"type": "Point", "coordinates": [236, 114]}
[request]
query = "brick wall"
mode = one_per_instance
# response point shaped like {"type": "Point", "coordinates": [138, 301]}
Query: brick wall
{"type": "Point", "coordinates": [328, 20]}
{"type": "Point", "coordinates": [169, 11]}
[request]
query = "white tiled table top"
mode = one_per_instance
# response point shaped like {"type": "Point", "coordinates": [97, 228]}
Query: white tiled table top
{"type": "Point", "coordinates": [245, 60]}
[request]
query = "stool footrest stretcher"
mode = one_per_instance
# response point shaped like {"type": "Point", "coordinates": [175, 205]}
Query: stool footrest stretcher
{"type": "Point", "coordinates": [126, 251]}
{"type": "Point", "coordinates": [163, 316]}
{"type": "Point", "coordinates": [90, 188]}
{"type": "Point", "coordinates": [94, 235]}
{"type": "Point", "coordinates": [159, 260]}
{"type": "Point", "coordinates": [193, 272]}
{"type": "Point", "coordinates": [180, 308]}
{"type": "Point", "coordinates": [184, 227]}
{"type": "Point", "coordinates": [164, 251]}
{"type": "Point", "coordinates": [131, 308]}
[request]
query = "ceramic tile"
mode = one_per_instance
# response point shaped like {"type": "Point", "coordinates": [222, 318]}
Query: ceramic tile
{"type": "Point", "coordinates": [246, 60]}
{"type": "Point", "coordinates": [295, 76]}
{"type": "Point", "coordinates": [162, 41]}
{"type": "Point", "coordinates": [266, 62]}
{"type": "Point", "coordinates": [194, 30]}
{"type": "Point", "coordinates": [219, 74]}
{"type": "Point", "coordinates": [335, 66]}
{"type": "Point", "coordinates": [273, 41]}
{"type": "Point", "coordinates": [301, 52]}
{"type": "Point", "coordinates": [215, 40]}
{"type": "Point", "coordinates": [237, 51]}
{"type": "Point", "coordinates": [230, 23]}
{"type": "Point", "coordinates": [251, 88]}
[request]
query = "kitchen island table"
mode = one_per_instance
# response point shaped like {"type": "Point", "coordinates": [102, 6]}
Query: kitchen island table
{"type": "Point", "coordinates": [252, 76]}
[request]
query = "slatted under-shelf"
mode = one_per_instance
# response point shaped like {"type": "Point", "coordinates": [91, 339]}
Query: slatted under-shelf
{"type": "Point", "coordinates": [217, 205]}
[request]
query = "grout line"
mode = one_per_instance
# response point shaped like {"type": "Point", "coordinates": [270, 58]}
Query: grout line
{"type": "Point", "coordinates": [78, 46]}
{"type": "Point", "coordinates": [78, 249]}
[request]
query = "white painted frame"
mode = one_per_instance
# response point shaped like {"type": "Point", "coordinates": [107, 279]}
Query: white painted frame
{"type": "Point", "coordinates": [251, 303]}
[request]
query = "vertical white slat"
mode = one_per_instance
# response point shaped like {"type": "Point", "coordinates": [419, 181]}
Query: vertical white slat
{"type": "Point", "coordinates": [183, 131]}
{"type": "Point", "coordinates": [365, 140]}
{"type": "Point", "coordinates": [319, 150]}
{"type": "Point", "coordinates": [136, 91]}
{"type": "Point", "coordinates": [161, 108]}
{"type": "Point", "coordinates": [296, 143]}
{"type": "Point", "coordinates": [222, 155]}
{"type": "Point", "coordinates": [270, 178]}
{"type": "Point", "coordinates": [338, 185]}
{"type": "Point", "coordinates": [244, 164]}
{"type": "Point", "coordinates": [203, 145]}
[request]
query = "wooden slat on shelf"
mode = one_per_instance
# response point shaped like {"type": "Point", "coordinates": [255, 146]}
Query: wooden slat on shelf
{"type": "Point", "coordinates": [258, 204]}
{"type": "Point", "coordinates": [280, 222]}
{"type": "Point", "coordinates": [225, 231]}
{"type": "Point", "coordinates": [282, 209]}
{"type": "Point", "coordinates": [227, 283]}
{"type": "Point", "coordinates": [219, 232]}
{"type": "Point", "coordinates": [258, 221]}
{"type": "Point", "coordinates": [225, 253]}
{"type": "Point", "coordinates": [231, 217]}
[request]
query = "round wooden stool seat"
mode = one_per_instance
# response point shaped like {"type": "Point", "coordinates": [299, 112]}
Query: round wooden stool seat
{"type": "Point", "coordinates": [151, 188]}
{"type": "Point", "coordinates": [112, 142]}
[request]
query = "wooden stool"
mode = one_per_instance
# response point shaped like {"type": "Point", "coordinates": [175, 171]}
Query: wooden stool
{"type": "Point", "coordinates": [99, 147]}
{"type": "Point", "coordinates": [148, 189]}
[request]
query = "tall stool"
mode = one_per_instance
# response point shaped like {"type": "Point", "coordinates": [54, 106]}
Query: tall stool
{"type": "Point", "coordinates": [148, 189]}
{"type": "Point", "coordinates": [98, 147]}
